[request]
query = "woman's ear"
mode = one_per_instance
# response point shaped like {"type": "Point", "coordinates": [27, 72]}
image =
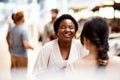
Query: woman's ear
{"type": "Point", "coordinates": [86, 40]}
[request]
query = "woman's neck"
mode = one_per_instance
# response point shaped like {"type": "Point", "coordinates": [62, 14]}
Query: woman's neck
{"type": "Point", "coordinates": [19, 23]}
{"type": "Point", "coordinates": [93, 53]}
{"type": "Point", "coordinates": [63, 44]}
{"type": "Point", "coordinates": [64, 49]}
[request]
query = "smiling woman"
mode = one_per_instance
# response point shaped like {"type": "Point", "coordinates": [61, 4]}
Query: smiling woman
{"type": "Point", "coordinates": [55, 55]}
{"type": "Point", "coordinates": [66, 30]}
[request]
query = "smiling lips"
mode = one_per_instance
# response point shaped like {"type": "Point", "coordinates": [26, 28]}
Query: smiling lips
{"type": "Point", "coordinates": [67, 35]}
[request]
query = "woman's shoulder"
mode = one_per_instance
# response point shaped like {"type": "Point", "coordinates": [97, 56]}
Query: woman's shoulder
{"type": "Point", "coordinates": [114, 60]}
{"type": "Point", "coordinates": [113, 66]}
{"type": "Point", "coordinates": [77, 63]}
{"type": "Point", "coordinates": [76, 42]}
{"type": "Point", "coordinates": [47, 48]}
{"type": "Point", "coordinates": [51, 43]}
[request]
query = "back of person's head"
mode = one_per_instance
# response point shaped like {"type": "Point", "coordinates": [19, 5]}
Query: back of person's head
{"type": "Point", "coordinates": [18, 16]}
{"type": "Point", "coordinates": [55, 10]}
{"type": "Point", "coordinates": [61, 18]}
{"type": "Point", "coordinates": [96, 30]}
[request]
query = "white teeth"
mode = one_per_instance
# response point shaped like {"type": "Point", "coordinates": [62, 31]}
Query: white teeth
{"type": "Point", "coordinates": [67, 35]}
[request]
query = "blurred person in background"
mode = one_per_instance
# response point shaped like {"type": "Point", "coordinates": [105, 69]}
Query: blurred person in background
{"type": "Point", "coordinates": [56, 54]}
{"type": "Point", "coordinates": [97, 65]}
{"type": "Point", "coordinates": [114, 38]}
{"type": "Point", "coordinates": [18, 42]}
{"type": "Point", "coordinates": [49, 33]}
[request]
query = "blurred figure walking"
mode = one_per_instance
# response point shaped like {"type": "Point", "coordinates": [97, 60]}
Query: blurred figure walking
{"type": "Point", "coordinates": [18, 42]}
{"type": "Point", "coordinates": [48, 33]}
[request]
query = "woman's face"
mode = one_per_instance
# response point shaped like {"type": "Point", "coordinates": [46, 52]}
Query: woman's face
{"type": "Point", "coordinates": [66, 30]}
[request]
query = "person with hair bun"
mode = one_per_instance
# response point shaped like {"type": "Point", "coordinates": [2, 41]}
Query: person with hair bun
{"type": "Point", "coordinates": [18, 42]}
{"type": "Point", "coordinates": [17, 17]}
{"type": "Point", "coordinates": [97, 65]}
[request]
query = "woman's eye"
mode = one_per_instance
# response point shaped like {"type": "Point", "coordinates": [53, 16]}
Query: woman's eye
{"type": "Point", "coordinates": [62, 27]}
{"type": "Point", "coordinates": [71, 27]}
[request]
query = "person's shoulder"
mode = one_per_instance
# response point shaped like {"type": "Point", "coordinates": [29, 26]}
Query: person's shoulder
{"type": "Point", "coordinates": [50, 43]}
{"type": "Point", "coordinates": [48, 23]}
{"type": "Point", "coordinates": [76, 63]}
{"type": "Point", "coordinates": [114, 60]}
{"type": "Point", "coordinates": [76, 41]}
{"type": "Point", "coordinates": [12, 29]}
{"type": "Point", "coordinates": [21, 30]}
{"type": "Point", "coordinates": [72, 65]}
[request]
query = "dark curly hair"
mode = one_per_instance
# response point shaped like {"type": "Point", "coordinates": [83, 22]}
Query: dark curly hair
{"type": "Point", "coordinates": [62, 17]}
{"type": "Point", "coordinates": [96, 30]}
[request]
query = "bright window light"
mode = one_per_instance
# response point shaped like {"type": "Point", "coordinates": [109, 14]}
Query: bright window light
{"type": "Point", "coordinates": [107, 12]}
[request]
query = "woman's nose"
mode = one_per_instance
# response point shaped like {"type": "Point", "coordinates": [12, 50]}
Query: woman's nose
{"type": "Point", "coordinates": [67, 29]}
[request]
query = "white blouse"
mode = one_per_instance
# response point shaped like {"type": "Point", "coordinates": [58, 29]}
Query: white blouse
{"type": "Point", "coordinates": [50, 59]}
